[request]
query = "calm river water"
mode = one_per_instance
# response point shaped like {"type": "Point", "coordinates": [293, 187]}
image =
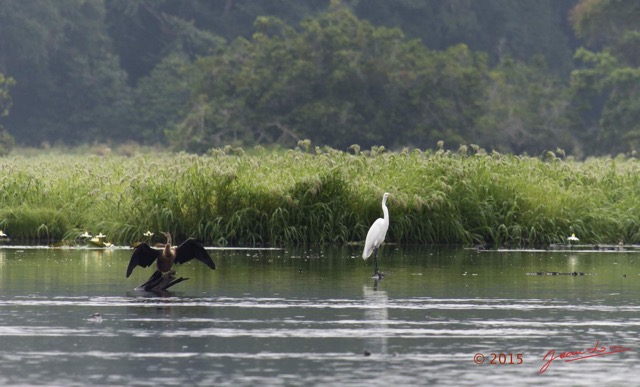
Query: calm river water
{"type": "Point", "coordinates": [315, 317]}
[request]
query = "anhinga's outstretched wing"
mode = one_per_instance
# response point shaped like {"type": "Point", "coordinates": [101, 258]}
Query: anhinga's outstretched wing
{"type": "Point", "coordinates": [143, 256]}
{"type": "Point", "coordinates": [192, 248]}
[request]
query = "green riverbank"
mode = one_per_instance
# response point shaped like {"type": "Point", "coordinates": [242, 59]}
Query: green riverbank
{"type": "Point", "coordinates": [260, 197]}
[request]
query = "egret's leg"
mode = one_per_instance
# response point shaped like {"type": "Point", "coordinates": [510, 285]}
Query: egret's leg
{"type": "Point", "coordinates": [376, 273]}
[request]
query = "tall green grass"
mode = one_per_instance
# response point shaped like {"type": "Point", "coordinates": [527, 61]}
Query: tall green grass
{"type": "Point", "coordinates": [259, 197]}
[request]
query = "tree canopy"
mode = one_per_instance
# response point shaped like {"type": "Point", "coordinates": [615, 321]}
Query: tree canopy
{"type": "Point", "coordinates": [337, 80]}
{"type": "Point", "coordinates": [525, 76]}
{"type": "Point", "coordinates": [6, 140]}
{"type": "Point", "coordinates": [606, 84]}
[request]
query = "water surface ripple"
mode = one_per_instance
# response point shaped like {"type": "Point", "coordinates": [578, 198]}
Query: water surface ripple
{"type": "Point", "coordinates": [277, 318]}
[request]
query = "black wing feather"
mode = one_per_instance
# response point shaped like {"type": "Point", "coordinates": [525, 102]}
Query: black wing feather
{"type": "Point", "coordinates": [143, 256]}
{"type": "Point", "coordinates": [192, 248]}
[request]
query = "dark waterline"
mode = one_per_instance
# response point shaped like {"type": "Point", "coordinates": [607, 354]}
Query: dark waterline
{"type": "Point", "coordinates": [315, 317]}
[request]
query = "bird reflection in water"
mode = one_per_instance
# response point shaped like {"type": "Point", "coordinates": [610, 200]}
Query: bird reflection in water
{"type": "Point", "coordinates": [376, 315]}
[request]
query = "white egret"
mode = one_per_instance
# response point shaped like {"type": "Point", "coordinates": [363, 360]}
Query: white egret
{"type": "Point", "coordinates": [2, 234]}
{"type": "Point", "coordinates": [375, 237]}
{"type": "Point", "coordinates": [573, 238]}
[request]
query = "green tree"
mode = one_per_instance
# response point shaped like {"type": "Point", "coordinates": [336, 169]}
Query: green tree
{"type": "Point", "coordinates": [147, 31]}
{"type": "Point", "coordinates": [501, 28]}
{"type": "Point", "coordinates": [604, 22]}
{"type": "Point", "coordinates": [161, 100]}
{"type": "Point", "coordinates": [527, 109]}
{"type": "Point", "coordinates": [6, 140]}
{"type": "Point", "coordinates": [69, 87]}
{"type": "Point", "coordinates": [162, 96]}
{"type": "Point", "coordinates": [605, 87]}
{"type": "Point", "coordinates": [206, 73]}
{"type": "Point", "coordinates": [336, 80]}
{"type": "Point", "coordinates": [5, 99]}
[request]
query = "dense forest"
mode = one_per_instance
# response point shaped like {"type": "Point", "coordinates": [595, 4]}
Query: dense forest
{"type": "Point", "coordinates": [512, 76]}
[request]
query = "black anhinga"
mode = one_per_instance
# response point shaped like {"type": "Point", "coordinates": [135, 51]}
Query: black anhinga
{"type": "Point", "coordinates": [144, 256]}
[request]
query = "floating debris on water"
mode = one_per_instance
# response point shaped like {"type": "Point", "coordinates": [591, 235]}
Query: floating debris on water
{"type": "Point", "coordinates": [95, 318]}
{"type": "Point", "coordinates": [595, 247]}
{"type": "Point", "coordinates": [544, 272]}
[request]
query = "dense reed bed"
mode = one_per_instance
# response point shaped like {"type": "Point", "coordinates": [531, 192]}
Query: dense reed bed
{"type": "Point", "coordinates": [233, 197]}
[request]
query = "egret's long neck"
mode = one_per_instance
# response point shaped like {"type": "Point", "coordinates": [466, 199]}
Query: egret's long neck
{"type": "Point", "coordinates": [385, 211]}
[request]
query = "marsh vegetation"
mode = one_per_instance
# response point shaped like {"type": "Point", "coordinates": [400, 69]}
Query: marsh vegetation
{"type": "Point", "coordinates": [258, 197]}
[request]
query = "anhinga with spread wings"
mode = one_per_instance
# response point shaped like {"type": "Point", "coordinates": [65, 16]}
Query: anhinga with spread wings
{"type": "Point", "coordinates": [164, 277]}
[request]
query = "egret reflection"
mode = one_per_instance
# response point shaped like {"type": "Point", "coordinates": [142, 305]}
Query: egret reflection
{"type": "Point", "coordinates": [376, 316]}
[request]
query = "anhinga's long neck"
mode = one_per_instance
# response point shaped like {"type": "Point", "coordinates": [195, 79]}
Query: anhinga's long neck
{"type": "Point", "coordinates": [167, 247]}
